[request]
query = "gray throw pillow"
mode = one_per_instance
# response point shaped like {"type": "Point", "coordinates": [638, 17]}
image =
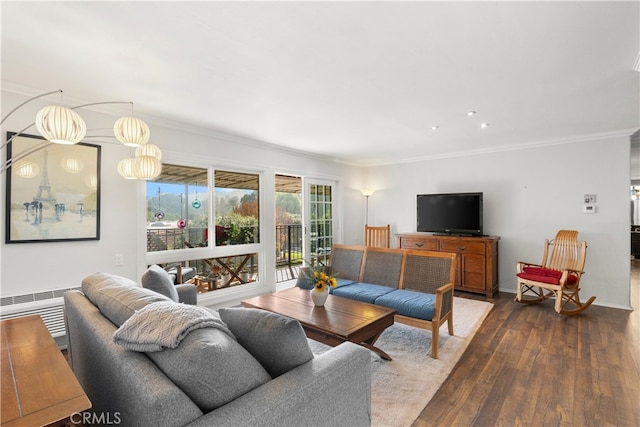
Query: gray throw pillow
{"type": "Point", "coordinates": [157, 279]}
{"type": "Point", "coordinates": [117, 297]}
{"type": "Point", "coordinates": [305, 278]}
{"type": "Point", "coordinates": [211, 368]}
{"type": "Point", "coordinates": [278, 342]}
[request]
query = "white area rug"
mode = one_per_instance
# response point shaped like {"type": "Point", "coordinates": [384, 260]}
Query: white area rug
{"type": "Point", "coordinates": [402, 387]}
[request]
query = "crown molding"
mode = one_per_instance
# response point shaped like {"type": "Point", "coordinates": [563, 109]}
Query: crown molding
{"type": "Point", "coordinates": [525, 146]}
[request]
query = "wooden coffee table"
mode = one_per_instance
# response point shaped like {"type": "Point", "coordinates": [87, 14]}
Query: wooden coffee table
{"type": "Point", "coordinates": [340, 319]}
{"type": "Point", "coordinates": [38, 386]}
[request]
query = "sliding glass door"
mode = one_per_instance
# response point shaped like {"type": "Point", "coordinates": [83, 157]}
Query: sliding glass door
{"type": "Point", "coordinates": [319, 220]}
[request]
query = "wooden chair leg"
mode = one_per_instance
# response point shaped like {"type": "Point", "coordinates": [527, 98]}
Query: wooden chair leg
{"type": "Point", "coordinates": [435, 339]}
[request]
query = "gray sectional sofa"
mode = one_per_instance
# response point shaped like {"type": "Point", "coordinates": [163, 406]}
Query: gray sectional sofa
{"type": "Point", "coordinates": [417, 284]}
{"type": "Point", "coordinates": [146, 360]}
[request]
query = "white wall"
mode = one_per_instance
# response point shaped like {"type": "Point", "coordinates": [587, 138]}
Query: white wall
{"type": "Point", "coordinates": [33, 267]}
{"type": "Point", "coordinates": [528, 196]}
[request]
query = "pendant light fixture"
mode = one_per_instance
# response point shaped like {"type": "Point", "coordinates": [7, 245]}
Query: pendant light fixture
{"type": "Point", "coordinates": [125, 168]}
{"type": "Point", "coordinates": [26, 169]}
{"type": "Point", "coordinates": [149, 150]}
{"type": "Point", "coordinates": [60, 125]}
{"type": "Point", "coordinates": [131, 131]}
{"type": "Point", "coordinates": [146, 167]}
{"type": "Point", "coordinates": [72, 165]}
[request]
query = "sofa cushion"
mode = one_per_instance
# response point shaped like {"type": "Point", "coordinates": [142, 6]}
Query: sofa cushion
{"type": "Point", "coordinates": [305, 281]}
{"type": "Point", "coordinates": [211, 368]}
{"type": "Point", "coordinates": [157, 279]}
{"type": "Point", "coordinates": [342, 282]}
{"type": "Point", "coordinates": [117, 297]}
{"type": "Point", "coordinates": [409, 303]}
{"type": "Point", "coordinates": [365, 292]}
{"type": "Point", "coordinates": [161, 325]}
{"type": "Point", "coordinates": [546, 275]}
{"type": "Point", "coordinates": [277, 342]}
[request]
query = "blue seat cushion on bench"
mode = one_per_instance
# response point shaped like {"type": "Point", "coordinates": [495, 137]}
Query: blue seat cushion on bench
{"type": "Point", "coordinates": [365, 292]}
{"type": "Point", "coordinates": [340, 283]}
{"type": "Point", "coordinates": [409, 303]}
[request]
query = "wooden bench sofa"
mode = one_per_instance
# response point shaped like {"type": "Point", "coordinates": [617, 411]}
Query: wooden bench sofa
{"type": "Point", "coordinates": [417, 284]}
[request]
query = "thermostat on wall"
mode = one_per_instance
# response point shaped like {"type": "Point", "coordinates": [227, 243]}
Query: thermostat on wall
{"type": "Point", "coordinates": [590, 208]}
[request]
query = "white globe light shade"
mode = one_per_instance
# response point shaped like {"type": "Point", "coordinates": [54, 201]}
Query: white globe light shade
{"type": "Point", "coordinates": [149, 150]}
{"type": "Point", "coordinates": [125, 168]}
{"type": "Point", "coordinates": [131, 131]}
{"type": "Point", "coordinates": [60, 125]}
{"type": "Point", "coordinates": [147, 167]}
{"type": "Point", "coordinates": [72, 165]}
{"type": "Point", "coordinates": [26, 169]}
{"type": "Point", "coordinates": [91, 181]}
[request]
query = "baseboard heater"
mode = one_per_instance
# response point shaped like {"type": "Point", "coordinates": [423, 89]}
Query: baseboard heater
{"type": "Point", "coordinates": [49, 305]}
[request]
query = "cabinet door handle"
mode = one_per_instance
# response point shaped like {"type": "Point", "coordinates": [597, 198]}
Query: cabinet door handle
{"type": "Point", "coordinates": [419, 244]}
{"type": "Point", "coordinates": [462, 248]}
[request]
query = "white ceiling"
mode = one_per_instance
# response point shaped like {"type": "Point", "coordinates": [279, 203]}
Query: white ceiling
{"type": "Point", "coordinates": [362, 82]}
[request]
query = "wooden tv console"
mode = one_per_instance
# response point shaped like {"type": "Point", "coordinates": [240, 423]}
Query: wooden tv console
{"type": "Point", "coordinates": [477, 269]}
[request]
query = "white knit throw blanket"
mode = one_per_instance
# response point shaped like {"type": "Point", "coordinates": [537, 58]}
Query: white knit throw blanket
{"type": "Point", "coordinates": [164, 324]}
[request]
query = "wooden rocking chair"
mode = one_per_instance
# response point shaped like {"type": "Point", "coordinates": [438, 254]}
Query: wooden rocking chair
{"type": "Point", "coordinates": [557, 277]}
{"type": "Point", "coordinates": [377, 237]}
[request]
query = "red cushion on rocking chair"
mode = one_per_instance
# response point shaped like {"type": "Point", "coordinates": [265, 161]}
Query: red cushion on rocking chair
{"type": "Point", "coordinates": [546, 275]}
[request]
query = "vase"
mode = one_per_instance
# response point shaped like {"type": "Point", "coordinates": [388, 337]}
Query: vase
{"type": "Point", "coordinates": [226, 278]}
{"type": "Point", "coordinates": [319, 297]}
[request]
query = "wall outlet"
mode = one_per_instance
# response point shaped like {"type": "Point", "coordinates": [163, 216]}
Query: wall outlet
{"type": "Point", "coordinates": [119, 260]}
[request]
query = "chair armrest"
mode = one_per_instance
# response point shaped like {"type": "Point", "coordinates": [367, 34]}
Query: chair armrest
{"type": "Point", "coordinates": [187, 293]}
{"type": "Point", "coordinates": [444, 301]}
{"type": "Point", "coordinates": [520, 265]}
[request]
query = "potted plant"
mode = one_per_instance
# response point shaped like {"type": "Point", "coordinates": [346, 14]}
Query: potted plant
{"type": "Point", "coordinates": [244, 275]}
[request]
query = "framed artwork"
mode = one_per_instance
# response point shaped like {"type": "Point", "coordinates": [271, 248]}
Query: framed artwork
{"type": "Point", "coordinates": [53, 191]}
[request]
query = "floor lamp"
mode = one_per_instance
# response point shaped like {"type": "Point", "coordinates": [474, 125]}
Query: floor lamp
{"type": "Point", "coordinates": [367, 192]}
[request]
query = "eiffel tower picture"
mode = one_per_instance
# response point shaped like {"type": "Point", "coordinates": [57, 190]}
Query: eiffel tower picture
{"type": "Point", "coordinates": [45, 187]}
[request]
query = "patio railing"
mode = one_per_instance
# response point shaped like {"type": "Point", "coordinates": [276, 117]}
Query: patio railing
{"type": "Point", "coordinates": [288, 245]}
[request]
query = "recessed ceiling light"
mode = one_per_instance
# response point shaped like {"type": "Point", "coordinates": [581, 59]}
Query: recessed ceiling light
{"type": "Point", "coordinates": [435, 127]}
{"type": "Point", "coordinates": [484, 125]}
{"type": "Point", "coordinates": [471, 113]}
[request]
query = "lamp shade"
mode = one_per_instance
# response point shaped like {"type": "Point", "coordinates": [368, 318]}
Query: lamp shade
{"type": "Point", "coordinates": [131, 131]}
{"type": "Point", "coordinates": [72, 165]}
{"type": "Point", "coordinates": [147, 167]}
{"type": "Point", "coordinates": [60, 125]}
{"type": "Point", "coordinates": [125, 168]}
{"type": "Point", "coordinates": [91, 181]}
{"type": "Point", "coordinates": [26, 169]}
{"type": "Point", "coordinates": [149, 150]}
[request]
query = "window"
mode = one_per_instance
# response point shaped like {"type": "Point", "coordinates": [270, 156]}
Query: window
{"type": "Point", "coordinates": [178, 217]}
{"type": "Point", "coordinates": [237, 208]}
{"type": "Point", "coordinates": [177, 209]}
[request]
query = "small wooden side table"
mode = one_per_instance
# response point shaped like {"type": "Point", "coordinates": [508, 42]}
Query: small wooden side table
{"type": "Point", "coordinates": [38, 385]}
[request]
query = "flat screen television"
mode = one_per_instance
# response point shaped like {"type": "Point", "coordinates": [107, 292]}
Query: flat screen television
{"type": "Point", "coordinates": [451, 213]}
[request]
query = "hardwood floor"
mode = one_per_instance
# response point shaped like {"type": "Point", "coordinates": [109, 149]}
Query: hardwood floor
{"type": "Point", "coordinates": [528, 366]}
